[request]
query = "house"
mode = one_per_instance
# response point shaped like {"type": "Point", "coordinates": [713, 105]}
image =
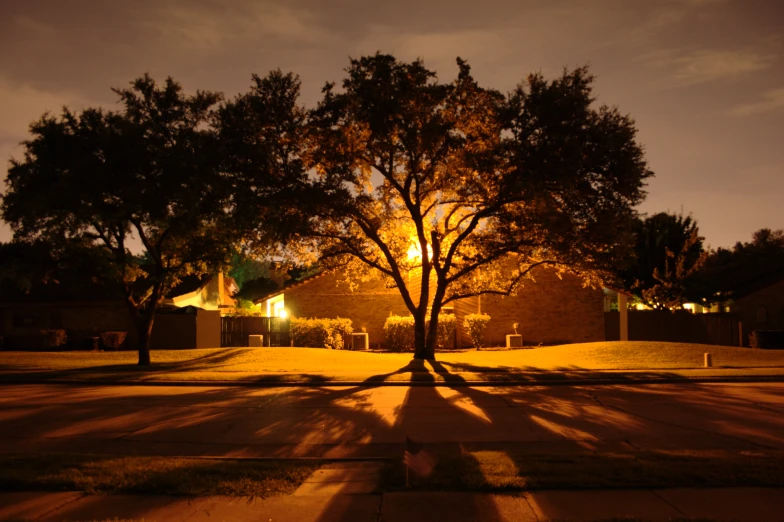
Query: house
{"type": "Point", "coordinates": [759, 302]}
{"type": "Point", "coordinates": [548, 309]}
{"type": "Point", "coordinates": [210, 293]}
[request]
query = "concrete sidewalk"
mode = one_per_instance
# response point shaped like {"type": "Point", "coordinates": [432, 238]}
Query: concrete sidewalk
{"type": "Point", "coordinates": [741, 504]}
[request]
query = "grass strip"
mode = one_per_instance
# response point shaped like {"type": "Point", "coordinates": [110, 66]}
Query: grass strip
{"type": "Point", "coordinates": [509, 471]}
{"type": "Point", "coordinates": [153, 475]}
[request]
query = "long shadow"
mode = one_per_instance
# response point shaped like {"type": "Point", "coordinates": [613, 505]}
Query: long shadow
{"type": "Point", "coordinates": [203, 362]}
{"type": "Point", "coordinates": [373, 421]}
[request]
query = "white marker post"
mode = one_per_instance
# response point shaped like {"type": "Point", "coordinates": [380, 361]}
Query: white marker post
{"type": "Point", "coordinates": [708, 360]}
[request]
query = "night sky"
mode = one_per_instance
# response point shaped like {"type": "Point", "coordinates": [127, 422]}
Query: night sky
{"type": "Point", "coordinates": [704, 79]}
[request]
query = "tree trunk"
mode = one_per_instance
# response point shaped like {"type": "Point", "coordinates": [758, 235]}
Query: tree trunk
{"type": "Point", "coordinates": [144, 318]}
{"type": "Point", "coordinates": [421, 350]}
{"type": "Point", "coordinates": [145, 334]}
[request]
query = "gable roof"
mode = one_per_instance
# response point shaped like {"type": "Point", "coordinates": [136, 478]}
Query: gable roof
{"type": "Point", "coordinates": [292, 284]}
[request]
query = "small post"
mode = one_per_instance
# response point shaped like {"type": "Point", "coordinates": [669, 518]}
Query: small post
{"type": "Point", "coordinates": [624, 317]}
{"type": "Point", "coordinates": [708, 360]}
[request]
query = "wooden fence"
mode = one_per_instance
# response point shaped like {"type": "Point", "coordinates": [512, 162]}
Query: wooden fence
{"type": "Point", "coordinates": [684, 327]}
{"type": "Point", "coordinates": [235, 331]}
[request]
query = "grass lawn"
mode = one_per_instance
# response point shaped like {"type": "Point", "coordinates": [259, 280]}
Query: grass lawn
{"type": "Point", "coordinates": [490, 471]}
{"type": "Point", "coordinates": [153, 475]}
{"type": "Point", "coordinates": [315, 365]}
{"type": "Point", "coordinates": [503, 471]}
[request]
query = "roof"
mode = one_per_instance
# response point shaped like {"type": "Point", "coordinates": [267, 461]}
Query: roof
{"type": "Point", "coordinates": [290, 285]}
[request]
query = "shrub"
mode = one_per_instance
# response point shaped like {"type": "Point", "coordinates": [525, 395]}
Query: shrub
{"type": "Point", "coordinates": [399, 332]}
{"type": "Point", "coordinates": [320, 333]}
{"type": "Point", "coordinates": [766, 339]}
{"type": "Point", "coordinates": [246, 308]}
{"type": "Point", "coordinates": [113, 340]}
{"type": "Point", "coordinates": [475, 325]}
{"type": "Point", "coordinates": [53, 338]}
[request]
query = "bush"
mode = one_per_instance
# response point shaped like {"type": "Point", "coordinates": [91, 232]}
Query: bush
{"type": "Point", "coordinates": [246, 308]}
{"type": "Point", "coordinates": [766, 339]}
{"type": "Point", "coordinates": [113, 340]}
{"type": "Point", "coordinates": [53, 338]}
{"type": "Point", "coordinates": [320, 333]}
{"type": "Point", "coordinates": [399, 332]}
{"type": "Point", "coordinates": [475, 325]}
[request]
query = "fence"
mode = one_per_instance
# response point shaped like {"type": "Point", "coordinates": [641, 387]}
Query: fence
{"type": "Point", "coordinates": [685, 327]}
{"type": "Point", "coordinates": [235, 331]}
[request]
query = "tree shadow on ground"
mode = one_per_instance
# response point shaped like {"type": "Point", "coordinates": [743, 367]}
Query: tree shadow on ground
{"type": "Point", "coordinates": [371, 420]}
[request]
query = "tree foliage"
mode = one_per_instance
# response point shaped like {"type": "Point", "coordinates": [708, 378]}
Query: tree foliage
{"type": "Point", "coordinates": [668, 258]}
{"type": "Point", "coordinates": [730, 273]}
{"type": "Point", "coordinates": [151, 171]}
{"type": "Point", "coordinates": [487, 186]}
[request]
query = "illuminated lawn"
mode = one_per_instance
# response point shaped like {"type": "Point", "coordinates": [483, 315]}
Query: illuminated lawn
{"type": "Point", "coordinates": [310, 364]}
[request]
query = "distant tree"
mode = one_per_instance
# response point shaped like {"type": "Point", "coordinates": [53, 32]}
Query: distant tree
{"type": "Point", "coordinates": [668, 257]}
{"type": "Point", "coordinates": [454, 190]}
{"type": "Point", "coordinates": [245, 268]}
{"type": "Point", "coordinates": [151, 171]}
{"type": "Point", "coordinates": [729, 271]}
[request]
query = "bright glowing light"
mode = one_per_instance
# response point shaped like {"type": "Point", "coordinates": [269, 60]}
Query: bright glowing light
{"type": "Point", "coordinates": [282, 314]}
{"type": "Point", "coordinates": [415, 252]}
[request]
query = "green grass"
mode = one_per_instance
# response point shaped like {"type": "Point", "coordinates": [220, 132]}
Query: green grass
{"type": "Point", "coordinates": [503, 471]}
{"type": "Point", "coordinates": [153, 475]}
{"type": "Point", "coordinates": [318, 365]}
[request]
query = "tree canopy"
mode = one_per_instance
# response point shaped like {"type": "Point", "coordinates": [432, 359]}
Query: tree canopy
{"type": "Point", "coordinates": [150, 172]}
{"type": "Point", "coordinates": [466, 188]}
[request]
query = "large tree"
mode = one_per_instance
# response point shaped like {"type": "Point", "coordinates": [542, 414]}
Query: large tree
{"type": "Point", "coordinates": [151, 172]}
{"type": "Point", "coordinates": [451, 190]}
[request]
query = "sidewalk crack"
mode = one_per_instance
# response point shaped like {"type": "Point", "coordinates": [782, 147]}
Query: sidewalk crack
{"type": "Point", "coordinates": [667, 502]}
{"type": "Point", "coordinates": [531, 507]}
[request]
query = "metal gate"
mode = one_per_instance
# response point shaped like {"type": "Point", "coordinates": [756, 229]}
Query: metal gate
{"type": "Point", "coordinates": [235, 331]}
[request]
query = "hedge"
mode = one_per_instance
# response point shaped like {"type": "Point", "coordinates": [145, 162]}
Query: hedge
{"type": "Point", "coordinates": [766, 339]}
{"type": "Point", "coordinates": [53, 338]}
{"type": "Point", "coordinates": [399, 332]}
{"type": "Point", "coordinates": [320, 333]}
{"type": "Point", "coordinates": [475, 325]}
{"type": "Point", "coordinates": [113, 340]}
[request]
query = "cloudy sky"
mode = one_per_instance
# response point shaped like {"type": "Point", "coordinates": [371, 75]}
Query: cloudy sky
{"type": "Point", "coordinates": [704, 79]}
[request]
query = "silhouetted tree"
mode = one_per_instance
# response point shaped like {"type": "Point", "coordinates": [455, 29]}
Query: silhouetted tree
{"type": "Point", "coordinates": [151, 171]}
{"type": "Point", "coordinates": [730, 272]}
{"type": "Point", "coordinates": [668, 257]}
{"type": "Point", "coordinates": [464, 188]}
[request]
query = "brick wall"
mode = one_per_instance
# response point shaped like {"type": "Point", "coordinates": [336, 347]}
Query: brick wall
{"type": "Point", "coordinates": [325, 296]}
{"type": "Point", "coordinates": [549, 311]}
